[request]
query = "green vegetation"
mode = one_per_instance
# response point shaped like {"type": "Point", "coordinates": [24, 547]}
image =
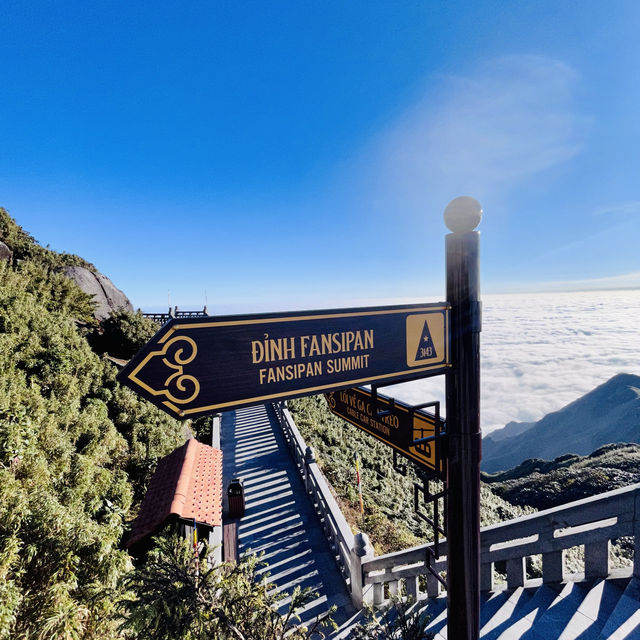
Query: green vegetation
{"type": "Point", "coordinates": [25, 247]}
{"type": "Point", "coordinates": [124, 333]}
{"type": "Point", "coordinates": [400, 618]}
{"type": "Point", "coordinates": [389, 519]}
{"type": "Point", "coordinates": [76, 452]}
{"type": "Point", "coordinates": [177, 601]}
{"type": "Point", "coordinates": [543, 484]}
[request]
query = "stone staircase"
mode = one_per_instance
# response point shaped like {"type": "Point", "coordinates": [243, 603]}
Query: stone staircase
{"type": "Point", "coordinates": [280, 522]}
{"type": "Point", "coordinates": [596, 610]}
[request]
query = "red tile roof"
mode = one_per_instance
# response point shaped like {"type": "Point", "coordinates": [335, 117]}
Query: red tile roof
{"type": "Point", "coordinates": [188, 484]}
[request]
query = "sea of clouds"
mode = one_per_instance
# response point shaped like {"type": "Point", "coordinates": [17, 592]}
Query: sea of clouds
{"type": "Point", "coordinates": [541, 351]}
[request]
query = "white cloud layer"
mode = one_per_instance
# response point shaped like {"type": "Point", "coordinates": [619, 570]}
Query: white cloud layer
{"type": "Point", "coordinates": [541, 351]}
{"type": "Point", "coordinates": [484, 132]}
{"type": "Point", "coordinates": [621, 281]}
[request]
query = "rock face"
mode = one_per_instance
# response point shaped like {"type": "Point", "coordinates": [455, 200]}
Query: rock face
{"type": "Point", "coordinates": [106, 295]}
{"type": "Point", "coordinates": [5, 253]}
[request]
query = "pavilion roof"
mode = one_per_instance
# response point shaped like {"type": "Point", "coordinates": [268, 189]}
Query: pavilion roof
{"type": "Point", "coordinates": [188, 484]}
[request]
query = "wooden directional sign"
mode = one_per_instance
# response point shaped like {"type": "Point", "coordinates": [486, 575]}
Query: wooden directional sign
{"type": "Point", "coordinates": [400, 428]}
{"type": "Point", "coordinates": [196, 366]}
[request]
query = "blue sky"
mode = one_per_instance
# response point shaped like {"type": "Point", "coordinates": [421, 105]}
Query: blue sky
{"type": "Point", "coordinates": [281, 154]}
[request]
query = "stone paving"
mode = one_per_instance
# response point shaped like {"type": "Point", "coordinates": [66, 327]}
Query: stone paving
{"type": "Point", "coordinates": [598, 610]}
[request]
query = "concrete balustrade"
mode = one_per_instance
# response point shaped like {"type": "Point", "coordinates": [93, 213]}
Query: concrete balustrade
{"type": "Point", "coordinates": [592, 522]}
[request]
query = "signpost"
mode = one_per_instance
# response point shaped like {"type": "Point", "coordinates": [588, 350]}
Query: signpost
{"type": "Point", "coordinates": [410, 432]}
{"type": "Point", "coordinates": [462, 215]}
{"type": "Point", "coordinates": [197, 366]}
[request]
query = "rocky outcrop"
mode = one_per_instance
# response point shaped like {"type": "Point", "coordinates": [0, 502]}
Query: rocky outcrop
{"type": "Point", "coordinates": [106, 295]}
{"type": "Point", "coordinates": [5, 253]}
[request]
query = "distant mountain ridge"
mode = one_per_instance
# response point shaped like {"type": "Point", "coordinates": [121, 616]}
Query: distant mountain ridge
{"type": "Point", "coordinates": [610, 413]}
{"type": "Point", "coordinates": [543, 484]}
{"type": "Point", "coordinates": [511, 429]}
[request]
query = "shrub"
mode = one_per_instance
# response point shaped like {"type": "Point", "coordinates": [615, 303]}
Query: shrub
{"type": "Point", "coordinates": [400, 618]}
{"type": "Point", "coordinates": [124, 333]}
{"type": "Point", "coordinates": [173, 599]}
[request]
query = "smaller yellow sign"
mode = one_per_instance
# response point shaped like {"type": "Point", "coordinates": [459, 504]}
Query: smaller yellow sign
{"type": "Point", "coordinates": [399, 425]}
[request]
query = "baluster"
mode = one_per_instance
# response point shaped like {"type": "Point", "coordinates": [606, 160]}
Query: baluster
{"type": "Point", "coordinates": [433, 585]}
{"type": "Point", "coordinates": [378, 593]}
{"type": "Point", "coordinates": [486, 576]}
{"type": "Point", "coordinates": [309, 458]}
{"type": "Point", "coordinates": [596, 559]}
{"type": "Point", "coordinates": [515, 572]}
{"type": "Point", "coordinates": [413, 587]}
{"type": "Point", "coordinates": [361, 552]}
{"type": "Point", "coordinates": [553, 566]}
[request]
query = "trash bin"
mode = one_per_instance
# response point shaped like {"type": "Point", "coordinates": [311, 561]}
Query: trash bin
{"type": "Point", "coordinates": [235, 493]}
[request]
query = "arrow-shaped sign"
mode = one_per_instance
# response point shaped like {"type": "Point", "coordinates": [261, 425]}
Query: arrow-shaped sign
{"type": "Point", "coordinates": [196, 366]}
{"type": "Point", "coordinates": [410, 432]}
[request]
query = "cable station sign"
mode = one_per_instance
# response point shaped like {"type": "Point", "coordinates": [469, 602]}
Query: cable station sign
{"type": "Point", "coordinates": [196, 366]}
{"type": "Point", "coordinates": [413, 433]}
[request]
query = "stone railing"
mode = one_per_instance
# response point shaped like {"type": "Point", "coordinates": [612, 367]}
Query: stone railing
{"type": "Point", "coordinates": [592, 522]}
{"type": "Point", "coordinates": [162, 318]}
{"type": "Point", "coordinates": [350, 550]}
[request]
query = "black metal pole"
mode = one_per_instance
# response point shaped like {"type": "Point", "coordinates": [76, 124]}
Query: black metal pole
{"type": "Point", "coordinates": [463, 421]}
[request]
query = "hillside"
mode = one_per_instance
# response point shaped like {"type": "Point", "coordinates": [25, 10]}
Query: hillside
{"type": "Point", "coordinates": [76, 451]}
{"type": "Point", "coordinates": [389, 519]}
{"type": "Point", "coordinates": [543, 484]}
{"type": "Point", "coordinates": [609, 413]}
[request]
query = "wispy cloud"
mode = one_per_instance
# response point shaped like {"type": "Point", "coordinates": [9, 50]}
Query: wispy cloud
{"type": "Point", "coordinates": [485, 132]}
{"type": "Point", "coordinates": [624, 208]}
{"type": "Point", "coordinates": [620, 281]}
{"type": "Point", "coordinates": [629, 280]}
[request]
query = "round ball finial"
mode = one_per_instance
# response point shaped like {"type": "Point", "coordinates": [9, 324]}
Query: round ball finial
{"type": "Point", "coordinates": [463, 214]}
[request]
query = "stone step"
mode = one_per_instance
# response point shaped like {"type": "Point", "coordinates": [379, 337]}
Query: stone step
{"type": "Point", "coordinates": [571, 611]}
{"type": "Point", "coordinates": [624, 621]}
{"type": "Point", "coordinates": [593, 612]}
{"type": "Point", "coordinates": [280, 522]}
{"type": "Point", "coordinates": [559, 611]}
{"type": "Point", "coordinates": [506, 614]}
{"type": "Point", "coordinates": [526, 616]}
{"type": "Point", "coordinates": [436, 609]}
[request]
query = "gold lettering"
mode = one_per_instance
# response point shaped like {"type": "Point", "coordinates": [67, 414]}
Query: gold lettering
{"type": "Point", "coordinates": [257, 351]}
{"type": "Point", "coordinates": [276, 349]}
{"type": "Point", "coordinates": [290, 351]}
{"type": "Point", "coordinates": [314, 349]}
{"type": "Point", "coordinates": [368, 338]}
